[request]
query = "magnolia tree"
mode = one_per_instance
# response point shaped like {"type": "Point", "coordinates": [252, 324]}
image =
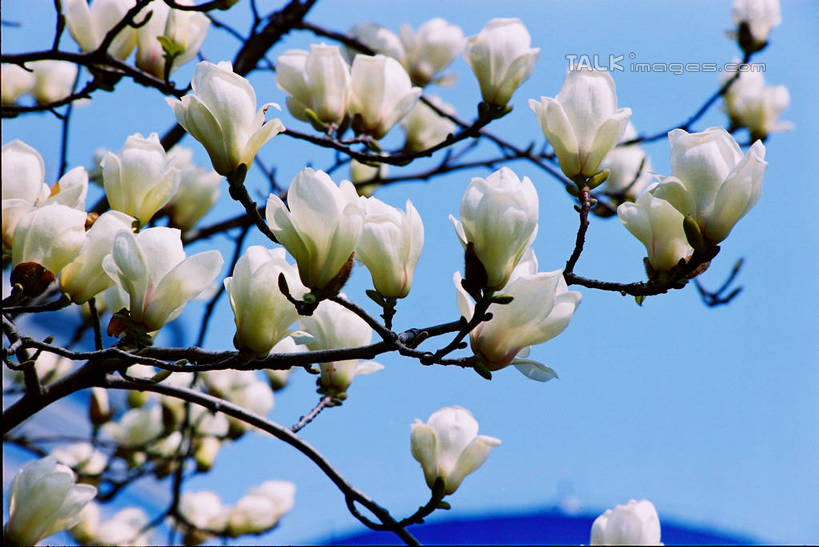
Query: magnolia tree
{"type": "Point", "coordinates": [122, 263]}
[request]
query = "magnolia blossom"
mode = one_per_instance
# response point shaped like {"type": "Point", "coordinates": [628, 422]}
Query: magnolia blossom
{"type": "Point", "coordinates": [198, 190]}
{"type": "Point", "coordinates": [14, 81]}
{"type": "Point", "coordinates": [221, 114]}
{"type": "Point", "coordinates": [635, 523]}
{"type": "Point", "coordinates": [261, 508]}
{"type": "Point", "coordinates": [24, 187]}
{"type": "Point", "coordinates": [362, 176]}
{"type": "Point", "coordinates": [629, 168]}
{"type": "Point", "coordinates": [205, 511]}
{"type": "Point", "coordinates": [261, 312]}
{"type": "Point", "coordinates": [88, 25]}
{"type": "Point", "coordinates": [83, 278]}
{"type": "Point", "coordinates": [333, 326]}
{"type": "Point", "coordinates": [320, 229]}
{"type": "Point", "coordinates": [759, 16]}
{"type": "Point", "coordinates": [711, 179]}
{"type": "Point", "coordinates": [243, 388]}
{"type": "Point", "coordinates": [751, 103]}
{"type": "Point", "coordinates": [659, 226]}
{"type": "Point", "coordinates": [390, 246]}
{"type": "Point", "coordinates": [53, 80]}
{"type": "Point", "coordinates": [137, 427]}
{"type": "Point", "coordinates": [582, 122]}
{"type": "Point", "coordinates": [43, 500]}
{"type": "Point", "coordinates": [318, 83]}
{"type": "Point", "coordinates": [124, 528]}
{"type": "Point", "coordinates": [382, 94]}
{"type": "Point", "coordinates": [82, 457]}
{"type": "Point", "coordinates": [181, 30]}
{"type": "Point", "coordinates": [502, 58]}
{"type": "Point", "coordinates": [278, 378]}
{"type": "Point", "coordinates": [151, 267]}
{"type": "Point", "coordinates": [448, 446]}
{"type": "Point", "coordinates": [499, 218]}
{"type": "Point", "coordinates": [425, 128]}
{"type": "Point", "coordinates": [430, 49]}
{"type": "Point", "coordinates": [140, 180]}
{"type": "Point", "coordinates": [541, 308]}
{"type": "Point", "coordinates": [51, 236]}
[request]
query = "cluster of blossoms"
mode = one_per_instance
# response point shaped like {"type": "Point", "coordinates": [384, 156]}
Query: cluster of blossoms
{"type": "Point", "coordinates": [283, 308]}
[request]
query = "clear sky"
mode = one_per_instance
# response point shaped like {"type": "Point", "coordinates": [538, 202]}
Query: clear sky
{"type": "Point", "coordinates": [713, 414]}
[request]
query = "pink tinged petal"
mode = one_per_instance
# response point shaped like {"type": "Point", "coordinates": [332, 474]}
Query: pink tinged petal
{"type": "Point", "coordinates": [424, 447]}
{"type": "Point", "coordinates": [607, 135]}
{"type": "Point", "coordinates": [187, 280]}
{"type": "Point", "coordinates": [470, 460]}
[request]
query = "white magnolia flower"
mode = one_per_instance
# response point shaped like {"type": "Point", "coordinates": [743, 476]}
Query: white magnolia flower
{"type": "Point", "coordinates": [382, 94]}
{"type": "Point", "coordinates": [124, 528]}
{"type": "Point", "coordinates": [760, 16]}
{"type": "Point", "coordinates": [751, 103]}
{"type": "Point", "coordinates": [221, 114]}
{"type": "Point", "coordinates": [635, 523]}
{"type": "Point", "coordinates": [378, 38]}
{"type": "Point", "coordinates": [361, 174]}
{"type": "Point", "coordinates": [711, 179]}
{"type": "Point", "coordinates": [499, 218]}
{"type": "Point", "coordinates": [502, 58]}
{"type": "Point", "coordinates": [334, 326]}
{"type": "Point", "coordinates": [198, 190]}
{"type": "Point", "coordinates": [53, 80]}
{"type": "Point", "coordinates": [320, 229]}
{"type": "Point", "coordinates": [82, 457]}
{"type": "Point", "coordinates": [137, 427]}
{"type": "Point", "coordinates": [203, 510]}
{"type": "Point", "coordinates": [448, 446]}
{"type": "Point", "coordinates": [262, 313]}
{"type": "Point", "coordinates": [151, 267]}
{"type": "Point", "coordinates": [261, 508]}
{"type": "Point", "coordinates": [140, 180]}
{"type": "Point", "coordinates": [183, 30]}
{"type": "Point", "coordinates": [629, 168]}
{"type": "Point", "coordinates": [390, 246]}
{"type": "Point", "coordinates": [88, 25]}
{"type": "Point", "coordinates": [318, 81]}
{"type": "Point", "coordinates": [83, 278]}
{"type": "Point", "coordinates": [425, 128]}
{"type": "Point", "coordinates": [241, 387]}
{"type": "Point", "coordinates": [582, 123]}
{"type": "Point", "coordinates": [278, 378]}
{"type": "Point", "coordinates": [659, 226]}
{"type": "Point", "coordinates": [541, 308]}
{"type": "Point", "coordinates": [14, 81]}
{"type": "Point", "coordinates": [50, 236]}
{"type": "Point", "coordinates": [43, 500]}
{"type": "Point", "coordinates": [89, 519]}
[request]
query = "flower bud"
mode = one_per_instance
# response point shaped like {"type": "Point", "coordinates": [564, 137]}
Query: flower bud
{"type": "Point", "coordinates": [390, 246]}
{"type": "Point", "coordinates": [140, 180]}
{"type": "Point", "coordinates": [261, 508]}
{"type": "Point", "coordinates": [361, 173]}
{"type": "Point", "coordinates": [89, 25]}
{"type": "Point", "coordinates": [333, 326]}
{"type": "Point", "coordinates": [261, 312]}
{"type": "Point", "coordinates": [382, 94]}
{"type": "Point", "coordinates": [278, 378]}
{"type": "Point", "coordinates": [137, 427]}
{"type": "Point", "coordinates": [635, 523]}
{"type": "Point", "coordinates": [53, 80]}
{"type": "Point", "coordinates": [499, 218]}
{"type": "Point", "coordinates": [751, 103]}
{"type": "Point", "coordinates": [44, 500]}
{"type": "Point", "coordinates": [541, 308]}
{"type": "Point", "coordinates": [14, 81]}
{"type": "Point", "coordinates": [205, 454]}
{"type": "Point", "coordinates": [205, 511]}
{"type": "Point", "coordinates": [198, 190]}
{"type": "Point", "coordinates": [99, 410]}
{"type": "Point", "coordinates": [502, 59]}
{"type": "Point", "coordinates": [425, 128]}
{"type": "Point", "coordinates": [152, 268]}
{"type": "Point", "coordinates": [582, 123]}
{"type": "Point", "coordinates": [320, 229]}
{"type": "Point", "coordinates": [221, 114]}
{"type": "Point", "coordinates": [180, 32]}
{"type": "Point", "coordinates": [711, 179]}
{"type": "Point", "coordinates": [659, 226]}
{"type": "Point", "coordinates": [755, 19]}
{"type": "Point", "coordinates": [318, 81]}
{"type": "Point", "coordinates": [83, 278]}
{"type": "Point", "coordinates": [430, 50]}
{"type": "Point", "coordinates": [448, 446]}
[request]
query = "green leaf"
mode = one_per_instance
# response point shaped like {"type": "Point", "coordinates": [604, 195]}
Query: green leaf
{"type": "Point", "coordinates": [639, 299]}
{"type": "Point", "coordinates": [444, 505]}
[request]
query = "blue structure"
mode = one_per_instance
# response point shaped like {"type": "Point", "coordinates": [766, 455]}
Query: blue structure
{"type": "Point", "coordinates": [549, 527]}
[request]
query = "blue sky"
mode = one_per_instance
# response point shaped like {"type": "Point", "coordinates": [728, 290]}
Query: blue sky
{"type": "Point", "coordinates": [709, 413]}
